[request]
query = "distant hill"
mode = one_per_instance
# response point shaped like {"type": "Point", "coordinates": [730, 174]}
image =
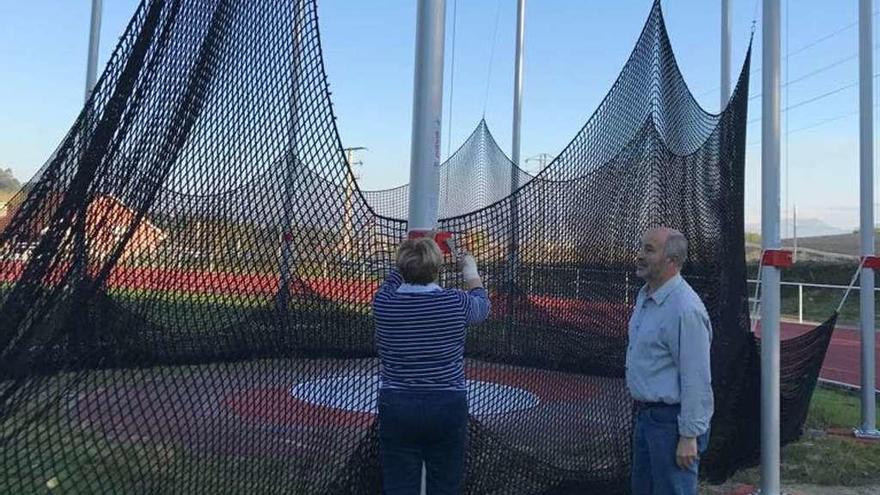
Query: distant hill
{"type": "Point", "coordinates": [848, 244]}
{"type": "Point", "coordinates": [806, 227]}
{"type": "Point", "coordinates": [9, 185]}
{"type": "Point", "coordinates": [8, 180]}
{"type": "Point", "coordinates": [842, 247]}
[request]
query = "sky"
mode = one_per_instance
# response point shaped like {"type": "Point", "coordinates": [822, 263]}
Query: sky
{"type": "Point", "coordinates": [574, 50]}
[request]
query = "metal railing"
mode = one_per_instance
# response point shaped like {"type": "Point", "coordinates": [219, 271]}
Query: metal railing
{"type": "Point", "coordinates": [800, 286]}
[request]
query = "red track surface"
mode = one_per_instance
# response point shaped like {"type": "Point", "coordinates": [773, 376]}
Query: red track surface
{"type": "Point", "coordinates": [842, 363]}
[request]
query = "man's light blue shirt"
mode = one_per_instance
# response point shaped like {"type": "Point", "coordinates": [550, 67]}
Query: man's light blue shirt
{"type": "Point", "coordinates": [667, 359]}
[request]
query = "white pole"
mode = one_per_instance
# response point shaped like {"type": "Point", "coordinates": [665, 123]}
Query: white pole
{"type": "Point", "coordinates": [794, 229]}
{"type": "Point", "coordinates": [94, 42]}
{"type": "Point", "coordinates": [771, 89]}
{"type": "Point", "coordinates": [81, 248]}
{"type": "Point", "coordinates": [868, 427]}
{"type": "Point", "coordinates": [517, 92]}
{"type": "Point", "coordinates": [513, 255]}
{"type": "Point", "coordinates": [725, 52]}
{"type": "Point", "coordinates": [424, 172]}
{"type": "Point", "coordinates": [800, 303]}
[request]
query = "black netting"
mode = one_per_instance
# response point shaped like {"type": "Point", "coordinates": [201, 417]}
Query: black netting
{"type": "Point", "coordinates": [475, 176]}
{"type": "Point", "coordinates": [186, 282]}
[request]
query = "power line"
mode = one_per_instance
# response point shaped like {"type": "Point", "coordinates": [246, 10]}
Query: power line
{"type": "Point", "coordinates": [816, 124]}
{"type": "Point", "coordinates": [492, 55]}
{"type": "Point", "coordinates": [804, 48]}
{"type": "Point", "coordinates": [451, 80]}
{"type": "Point", "coordinates": [824, 68]}
{"type": "Point", "coordinates": [815, 98]}
{"type": "Point", "coordinates": [813, 73]}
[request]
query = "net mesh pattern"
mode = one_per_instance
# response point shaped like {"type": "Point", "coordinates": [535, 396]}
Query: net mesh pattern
{"type": "Point", "coordinates": [186, 283]}
{"type": "Point", "coordinates": [477, 175]}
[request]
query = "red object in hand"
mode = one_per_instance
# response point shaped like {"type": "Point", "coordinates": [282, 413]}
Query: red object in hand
{"type": "Point", "coordinates": [440, 237]}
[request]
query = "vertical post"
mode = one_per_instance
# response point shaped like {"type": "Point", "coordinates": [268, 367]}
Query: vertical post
{"type": "Point", "coordinates": [794, 255]}
{"type": "Point", "coordinates": [80, 256]}
{"type": "Point", "coordinates": [868, 427]}
{"type": "Point", "coordinates": [517, 94]}
{"type": "Point", "coordinates": [725, 52]}
{"type": "Point", "coordinates": [291, 164]}
{"type": "Point", "coordinates": [800, 303]}
{"type": "Point", "coordinates": [770, 401]}
{"type": "Point", "coordinates": [513, 255]}
{"type": "Point", "coordinates": [348, 220]}
{"type": "Point", "coordinates": [94, 43]}
{"type": "Point", "coordinates": [424, 172]}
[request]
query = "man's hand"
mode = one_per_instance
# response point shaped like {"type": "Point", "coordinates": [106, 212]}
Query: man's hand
{"type": "Point", "coordinates": [686, 453]}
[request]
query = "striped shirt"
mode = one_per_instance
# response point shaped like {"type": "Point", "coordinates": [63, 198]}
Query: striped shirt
{"type": "Point", "coordinates": [420, 332]}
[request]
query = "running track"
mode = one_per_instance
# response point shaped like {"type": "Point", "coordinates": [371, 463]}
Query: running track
{"type": "Point", "coordinates": [843, 361]}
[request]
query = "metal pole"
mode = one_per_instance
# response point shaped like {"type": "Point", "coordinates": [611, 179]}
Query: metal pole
{"type": "Point", "coordinates": [868, 427]}
{"type": "Point", "coordinates": [350, 177]}
{"type": "Point", "coordinates": [291, 168]}
{"type": "Point", "coordinates": [513, 255]}
{"type": "Point", "coordinates": [513, 247]}
{"type": "Point", "coordinates": [517, 93]}
{"type": "Point", "coordinates": [424, 172]}
{"type": "Point", "coordinates": [770, 301]}
{"type": "Point", "coordinates": [80, 256]}
{"type": "Point", "coordinates": [348, 227]}
{"type": "Point", "coordinates": [800, 303]}
{"type": "Point", "coordinates": [94, 42]}
{"type": "Point", "coordinates": [725, 52]}
{"type": "Point", "coordinates": [794, 230]}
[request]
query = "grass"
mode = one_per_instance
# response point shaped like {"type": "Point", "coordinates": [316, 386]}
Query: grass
{"type": "Point", "coordinates": [58, 454]}
{"type": "Point", "coordinates": [819, 304]}
{"type": "Point", "coordinates": [825, 458]}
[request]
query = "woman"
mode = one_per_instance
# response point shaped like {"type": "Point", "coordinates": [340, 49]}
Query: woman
{"type": "Point", "coordinates": [420, 332]}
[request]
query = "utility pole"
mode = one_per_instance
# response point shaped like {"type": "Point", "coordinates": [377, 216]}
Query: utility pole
{"type": "Point", "coordinates": [542, 159]}
{"type": "Point", "coordinates": [868, 426]}
{"type": "Point", "coordinates": [350, 176]}
{"type": "Point", "coordinates": [94, 42]}
{"type": "Point", "coordinates": [794, 254]}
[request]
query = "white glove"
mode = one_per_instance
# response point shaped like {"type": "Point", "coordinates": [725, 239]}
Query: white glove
{"type": "Point", "coordinates": [453, 247]}
{"type": "Point", "coordinates": [468, 267]}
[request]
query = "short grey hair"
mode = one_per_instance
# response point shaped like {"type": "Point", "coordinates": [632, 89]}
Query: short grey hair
{"type": "Point", "coordinates": [419, 260]}
{"type": "Point", "coordinates": [676, 247]}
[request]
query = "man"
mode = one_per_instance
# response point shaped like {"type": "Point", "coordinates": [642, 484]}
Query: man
{"type": "Point", "coordinates": [667, 370]}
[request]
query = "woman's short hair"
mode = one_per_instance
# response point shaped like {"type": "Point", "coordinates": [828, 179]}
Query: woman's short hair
{"type": "Point", "coordinates": [419, 260]}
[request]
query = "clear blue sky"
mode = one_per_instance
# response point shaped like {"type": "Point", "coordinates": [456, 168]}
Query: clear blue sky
{"type": "Point", "coordinates": [574, 50]}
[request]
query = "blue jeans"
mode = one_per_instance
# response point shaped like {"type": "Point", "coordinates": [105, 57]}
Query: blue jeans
{"type": "Point", "coordinates": [416, 427]}
{"type": "Point", "coordinates": [655, 440]}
